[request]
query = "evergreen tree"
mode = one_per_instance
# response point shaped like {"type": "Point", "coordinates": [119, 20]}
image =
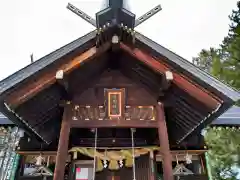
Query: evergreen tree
{"type": "Point", "coordinates": [205, 59]}
{"type": "Point", "coordinates": [224, 151]}
{"type": "Point", "coordinates": [224, 64]}
{"type": "Point", "coordinates": [231, 51]}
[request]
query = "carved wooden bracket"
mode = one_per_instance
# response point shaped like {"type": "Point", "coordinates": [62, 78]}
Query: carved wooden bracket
{"type": "Point", "coordinates": [97, 116]}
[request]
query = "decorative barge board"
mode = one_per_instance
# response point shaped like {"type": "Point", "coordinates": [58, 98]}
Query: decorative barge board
{"type": "Point", "coordinates": [112, 79]}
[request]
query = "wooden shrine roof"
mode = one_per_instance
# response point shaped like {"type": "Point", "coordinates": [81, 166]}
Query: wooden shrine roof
{"type": "Point", "coordinates": [195, 96]}
{"type": "Point", "coordinates": [156, 50]}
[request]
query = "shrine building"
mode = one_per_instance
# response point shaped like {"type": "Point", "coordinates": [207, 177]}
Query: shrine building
{"type": "Point", "coordinates": [113, 104]}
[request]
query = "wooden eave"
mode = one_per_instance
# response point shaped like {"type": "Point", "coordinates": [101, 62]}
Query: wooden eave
{"type": "Point", "coordinates": [197, 83]}
{"type": "Point", "coordinates": [54, 153]}
{"type": "Point", "coordinates": [47, 79]}
{"type": "Point", "coordinates": [81, 44]}
{"type": "Point", "coordinates": [202, 78]}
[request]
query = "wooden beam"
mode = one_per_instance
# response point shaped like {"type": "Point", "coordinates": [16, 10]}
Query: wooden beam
{"type": "Point", "coordinates": [166, 81]}
{"type": "Point", "coordinates": [152, 165]}
{"type": "Point", "coordinates": [39, 83]}
{"type": "Point", "coordinates": [180, 154]}
{"type": "Point", "coordinates": [54, 153]}
{"type": "Point", "coordinates": [62, 152]}
{"type": "Point", "coordinates": [36, 153]}
{"type": "Point", "coordinates": [180, 80]}
{"type": "Point", "coordinates": [198, 152]}
{"type": "Point", "coordinates": [179, 157]}
{"type": "Point", "coordinates": [113, 142]}
{"type": "Point", "coordinates": [62, 80]}
{"type": "Point", "coordinates": [113, 123]}
{"type": "Point", "coordinates": [164, 143]}
{"type": "Point", "coordinates": [97, 116]}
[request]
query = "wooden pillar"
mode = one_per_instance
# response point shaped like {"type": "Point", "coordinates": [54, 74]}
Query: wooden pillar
{"type": "Point", "coordinates": [62, 152]}
{"type": "Point", "coordinates": [153, 166]}
{"type": "Point", "coordinates": [164, 143]}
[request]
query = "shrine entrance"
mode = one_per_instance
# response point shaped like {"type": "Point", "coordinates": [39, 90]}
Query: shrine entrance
{"type": "Point", "coordinates": [112, 163]}
{"type": "Point", "coordinates": [85, 170]}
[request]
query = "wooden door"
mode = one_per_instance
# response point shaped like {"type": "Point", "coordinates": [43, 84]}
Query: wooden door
{"type": "Point", "coordinates": [143, 170]}
{"type": "Point", "coordinates": [113, 177]}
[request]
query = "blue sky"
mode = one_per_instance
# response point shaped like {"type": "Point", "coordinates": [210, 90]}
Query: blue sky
{"type": "Point", "coordinates": [41, 26]}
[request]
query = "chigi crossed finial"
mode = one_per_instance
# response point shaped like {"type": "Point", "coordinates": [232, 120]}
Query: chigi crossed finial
{"type": "Point", "coordinates": [114, 14]}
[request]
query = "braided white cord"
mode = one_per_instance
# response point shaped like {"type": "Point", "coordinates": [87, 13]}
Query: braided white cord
{"type": "Point", "coordinates": [95, 152]}
{"type": "Point", "coordinates": [133, 155]}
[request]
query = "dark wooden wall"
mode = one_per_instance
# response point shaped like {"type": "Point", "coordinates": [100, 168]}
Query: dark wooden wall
{"type": "Point", "coordinates": [143, 167]}
{"type": "Point", "coordinates": [136, 94]}
{"type": "Point", "coordinates": [124, 173]}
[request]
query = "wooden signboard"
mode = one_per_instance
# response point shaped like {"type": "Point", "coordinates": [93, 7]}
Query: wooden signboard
{"type": "Point", "coordinates": [115, 102]}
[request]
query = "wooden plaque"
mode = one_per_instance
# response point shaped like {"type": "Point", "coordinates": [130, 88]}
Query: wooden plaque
{"type": "Point", "coordinates": [115, 99]}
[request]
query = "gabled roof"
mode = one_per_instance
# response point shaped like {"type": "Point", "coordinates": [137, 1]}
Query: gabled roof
{"type": "Point", "coordinates": [156, 49]}
{"type": "Point", "coordinates": [160, 54]}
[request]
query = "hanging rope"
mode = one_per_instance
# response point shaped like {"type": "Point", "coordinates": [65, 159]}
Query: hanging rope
{"type": "Point", "coordinates": [95, 152]}
{"type": "Point", "coordinates": [133, 154]}
{"type": "Point", "coordinates": [177, 160]}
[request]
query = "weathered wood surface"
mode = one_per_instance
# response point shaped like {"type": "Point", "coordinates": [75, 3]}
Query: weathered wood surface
{"type": "Point", "coordinates": [143, 168]}
{"type": "Point", "coordinates": [92, 111]}
{"type": "Point", "coordinates": [48, 78]}
{"type": "Point", "coordinates": [95, 117]}
{"type": "Point", "coordinates": [164, 143]}
{"type": "Point", "coordinates": [182, 81]}
{"type": "Point", "coordinates": [62, 152]}
{"type": "Point", "coordinates": [136, 94]}
{"type": "Point", "coordinates": [120, 123]}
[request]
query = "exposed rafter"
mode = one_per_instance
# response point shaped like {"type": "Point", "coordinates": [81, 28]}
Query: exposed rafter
{"type": "Point", "coordinates": [42, 82]}
{"type": "Point", "coordinates": [179, 79]}
{"type": "Point", "coordinates": [63, 81]}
